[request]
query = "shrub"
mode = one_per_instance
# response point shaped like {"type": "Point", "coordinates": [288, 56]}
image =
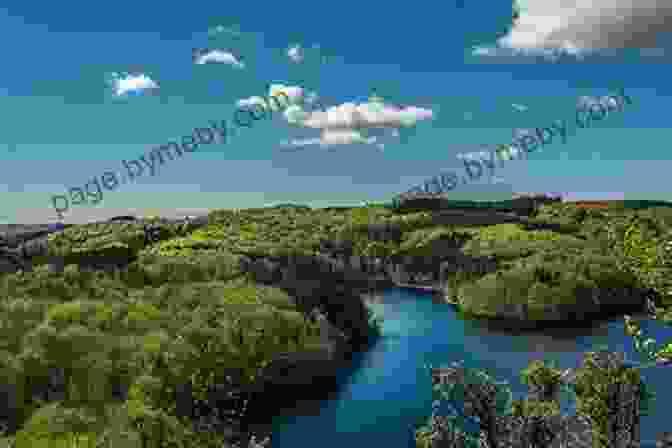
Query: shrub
{"type": "Point", "coordinates": [543, 283]}
{"type": "Point", "coordinates": [58, 426]}
{"type": "Point", "coordinates": [543, 379]}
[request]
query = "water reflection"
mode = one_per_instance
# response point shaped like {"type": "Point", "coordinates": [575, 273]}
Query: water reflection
{"type": "Point", "coordinates": [388, 390]}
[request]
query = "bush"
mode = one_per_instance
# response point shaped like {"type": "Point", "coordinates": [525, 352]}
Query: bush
{"type": "Point", "coordinates": [543, 283]}
{"type": "Point", "coordinates": [57, 426]}
{"type": "Point", "coordinates": [521, 248]}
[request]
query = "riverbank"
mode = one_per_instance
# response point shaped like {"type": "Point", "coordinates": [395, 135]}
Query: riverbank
{"type": "Point", "coordinates": [431, 289]}
{"type": "Point", "coordinates": [276, 294]}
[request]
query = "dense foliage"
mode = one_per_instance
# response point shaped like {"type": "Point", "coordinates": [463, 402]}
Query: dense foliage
{"type": "Point", "coordinates": [179, 310]}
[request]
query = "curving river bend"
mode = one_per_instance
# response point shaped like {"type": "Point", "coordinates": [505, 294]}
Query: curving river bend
{"type": "Point", "coordinates": [388, 391]}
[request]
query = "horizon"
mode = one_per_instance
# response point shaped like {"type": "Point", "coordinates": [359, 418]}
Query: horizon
{"type": "Point", "coordinates": [484, 77]}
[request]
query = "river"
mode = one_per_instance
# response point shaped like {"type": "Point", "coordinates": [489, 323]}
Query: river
{"type": "Point", "coordinates": [388, 391]}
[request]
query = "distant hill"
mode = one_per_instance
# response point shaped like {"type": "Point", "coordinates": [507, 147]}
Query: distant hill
{"type": "Point", "coordinates": [290, 205]}
{"type": "Point", "coordinates": [632, 204]}
{"type": "Point", "coordinates": [521, 204]}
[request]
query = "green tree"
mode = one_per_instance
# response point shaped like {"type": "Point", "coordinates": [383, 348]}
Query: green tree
{"type": "Point", "coordinates": [646, 251]}
{"type": "Point", "coordinates": [57, 425]}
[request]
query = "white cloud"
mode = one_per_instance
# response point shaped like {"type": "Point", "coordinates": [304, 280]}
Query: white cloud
{"type": "Point", "coordinates": [295, 53]}
{"type": "Point", "coordinates": [366, 115]}
{"type": "Point", "coordinates": [125, 84]}
{"type": "Point", "coordinates": [340, 125]}
{"type": "Point", "coordinates": [552, 28]}
{"type": "Point", "coordinates": [344, 124]}
{"type": "Point", "coordinates": [217, 56]}
{"type": "Point", "coordinates": [519, 107]}
{"type": "Point", "coordinates": [333, 137]}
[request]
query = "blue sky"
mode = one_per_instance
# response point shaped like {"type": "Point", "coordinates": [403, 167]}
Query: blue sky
{"type": "Point", "coordinates": [62, 124]}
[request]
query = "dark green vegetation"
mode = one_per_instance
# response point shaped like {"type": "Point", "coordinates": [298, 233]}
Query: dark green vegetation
{"type": "Point", "coordinates": [110, 348]}
{"type": "Point", "coordinates": [619, 251]}
{"type": "Point", "coordinates": [610, 399]}
{"type": "Point", "coordinates": [140, 337]}
{"type": "Point", "coordinates": [564, 262]}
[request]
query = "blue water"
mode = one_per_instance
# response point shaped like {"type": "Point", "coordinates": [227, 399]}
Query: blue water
{"type": "Point", "coordinates": [389, 391]}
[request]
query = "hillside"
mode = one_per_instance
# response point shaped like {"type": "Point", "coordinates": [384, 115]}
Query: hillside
{"type": "Point", "coordinates": [109, 333]}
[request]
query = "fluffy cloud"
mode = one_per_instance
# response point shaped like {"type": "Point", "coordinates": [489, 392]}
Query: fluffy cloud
{"type": "Point", "coordinates": [295, 53]}
{"type": "Point", "coordinates": [344, 124]}
{"type": "Point", "coordinates": [519, 107]}
{"type": "Point", "coordinates": [340, 125]}
{"type": "Point", "coordinates": [124, 84]}
{"type": "Point", "coordinates": [552, 28]}
{"type": "Point", "coordinates": [364, 115]}
{"type": "Point", "coordinates": [217, 56]}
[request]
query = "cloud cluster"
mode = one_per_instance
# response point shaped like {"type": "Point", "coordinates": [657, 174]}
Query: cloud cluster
{"type": "Point", "coordinates": [551, 28]}
{"type": "Point", "coordinates": [366, 115]}
{"type": "Point", "coordinates": [346, 123]}
{"type": "Point", "coordinates": [217, 56]}
{"type": "Point", "coordinates": [125, 84]}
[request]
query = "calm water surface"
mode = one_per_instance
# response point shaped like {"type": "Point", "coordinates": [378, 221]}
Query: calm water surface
{"type": "Point", "coordinates": [389, 390]}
